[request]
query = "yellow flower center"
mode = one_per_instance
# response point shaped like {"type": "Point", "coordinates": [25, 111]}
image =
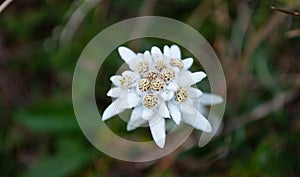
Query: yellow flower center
{"type": "Point", "coordinates": [181, 95]}
{"type": "Point", "coordinates": [167, 74]}
{"type": "Point", "coordinates": [144, 85]}
{"type": "Point", "coordinates": [157, 84]}
{"type": "Point", "coordinates": [142, 67]}
{"type": "Point", "coordinates": [126, 82]}
{"type": "Point", "coordinates": [160, 65]}
{"type": "Point", "coordinates": [150, 101]}
{"type": "Point", "coordinates": [152, 75]}
{"type": "Point", "coordinates": [176, 63]}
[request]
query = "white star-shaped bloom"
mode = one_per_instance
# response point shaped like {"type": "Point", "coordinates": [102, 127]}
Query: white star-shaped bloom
{"type": "Point", "coordinates": [159, 86]}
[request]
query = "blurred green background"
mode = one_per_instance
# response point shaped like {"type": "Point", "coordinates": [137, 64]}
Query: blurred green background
{"type": "Point", "coordinates": [259, 49]}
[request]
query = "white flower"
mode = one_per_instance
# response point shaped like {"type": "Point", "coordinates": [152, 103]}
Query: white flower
{"type": "Point", "coordinates": [159, 86]}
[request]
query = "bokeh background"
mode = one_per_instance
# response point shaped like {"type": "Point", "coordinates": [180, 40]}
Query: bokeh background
{"type": "Point", "coordinates": [259, 49]}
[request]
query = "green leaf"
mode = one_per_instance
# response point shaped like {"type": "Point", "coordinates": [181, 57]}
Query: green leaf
{"type": "Point", "coordinates": [60, 165]}
{"type": "Point", "coordinates": [47, 123]}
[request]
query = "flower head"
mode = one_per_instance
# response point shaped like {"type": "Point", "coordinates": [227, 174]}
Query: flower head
{"type": "Point", "coordinates": [159, 86]}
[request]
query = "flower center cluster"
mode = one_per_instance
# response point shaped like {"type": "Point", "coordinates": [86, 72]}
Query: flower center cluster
{"type": "Point", "coordinates": [157, 84]}
{"type": "Point", "coordinates": [160, 65]}
{"type": "Point", "coordinates": [142, 67]}
{"type": "Point", "coordinates": [144, 84]}
{"type": "Point", "coordinates": [125, 82]}
{"type": "Point", "coordinates": [150, 101]}
{"type": "Point", "coordinates": [155, 79]}
{"type": "Point", "coordinates": [152, 75]}
{"type": "Point", "coordinates": [181, 95]}
{"type": "Point", "coordinates": [167, 74]}
{"type": "Point", "coordinates": [176, 63]}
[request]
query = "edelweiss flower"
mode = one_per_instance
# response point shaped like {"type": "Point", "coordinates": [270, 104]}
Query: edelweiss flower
{"type": "Point", "coordinates": [159, 86]}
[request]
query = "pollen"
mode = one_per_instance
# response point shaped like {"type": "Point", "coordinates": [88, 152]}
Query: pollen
{"type": "Point", "coordinates": [157, 84]}
{"type": "Point", "coordinates": [125, 82]}
{"type": "Point", "coordinates": [167, 74]}
{"type": "Point", "coordinates": [176, 63]}
{"type": "Point", "coordinates": [144, 84]}
{"type": "Point", "coordinates": [152, 75]}
{"type": "Point", "coordinates": [150, 101]}
{"type": "Point", "coordinates": [181, 95]}
{"type": "Point", "coordinates": [142, 67]}
{"type": "Point", "coordinates": [160, 65]}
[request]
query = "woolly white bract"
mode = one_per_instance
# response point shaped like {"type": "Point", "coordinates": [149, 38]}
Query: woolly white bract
{"type": "Point", "coordinates": [158, 86]}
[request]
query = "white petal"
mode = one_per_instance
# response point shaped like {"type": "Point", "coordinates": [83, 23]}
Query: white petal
{"type": "Point", "coordinates": [147, 113]}
{"type": "Point", "coordinates": [133, 125]}
{"type": "Point", "coordinates": [126, 54]}
{"type": "Point", "coordinates": [167, 51]}
{"type": "Point", "coordinates": [202, 110]}
{"type": "Point", "coordinates": [163, 110]}
{"type": "Point", "coordinates": [187, 108]}
{"type": "Point", "coordinates": [157, 56]}
{"type": "Point", "coordinates": [155, 49]}
{"type": "Point", "coordinates": [175, 113]}
{"type": "Point", "coordinates": [166, 59]}
{"type": "Point", "coordinates": [175, 52]}
{"type": "Point", "coordinates": [134, 62]}
{"type": "Point", "coordinates": [187, 63]}
{"type": "Point", "coordinates": [198, 121]}
{"type": "Point", "coordinates": [133, 100]}
{"type": "Point", "coordinates": [113, 109]}
{"type": "Point", "coordinates": [114, 92]}
{"type": "Point", "coordinates": [198, 76]}
{"type": "Point", "coordinates": [157, 128]}
{"type": "Point", "coordinates": [172, 86]}
{"type": "Point", "coordinates": [129, 74]}
{"type": "Point", "coordinates": [167, 95]}
{"type": "Point", "coordinates": [136, 113]}
{"type": "Point", "coordinates": [210, 99]}
{"type": "Point", "coordinates": [185, 78]}
{"type": "Point", "coordinates": [136, 119]}
{"type": "Point", "coordinates": [147, 56]}
{"type": "Point", "coordinates": [194, 92]}
{"type": "Point", "coordinates": [116, 80]}
{"type": "Point", "coordinates": [177, 70]}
